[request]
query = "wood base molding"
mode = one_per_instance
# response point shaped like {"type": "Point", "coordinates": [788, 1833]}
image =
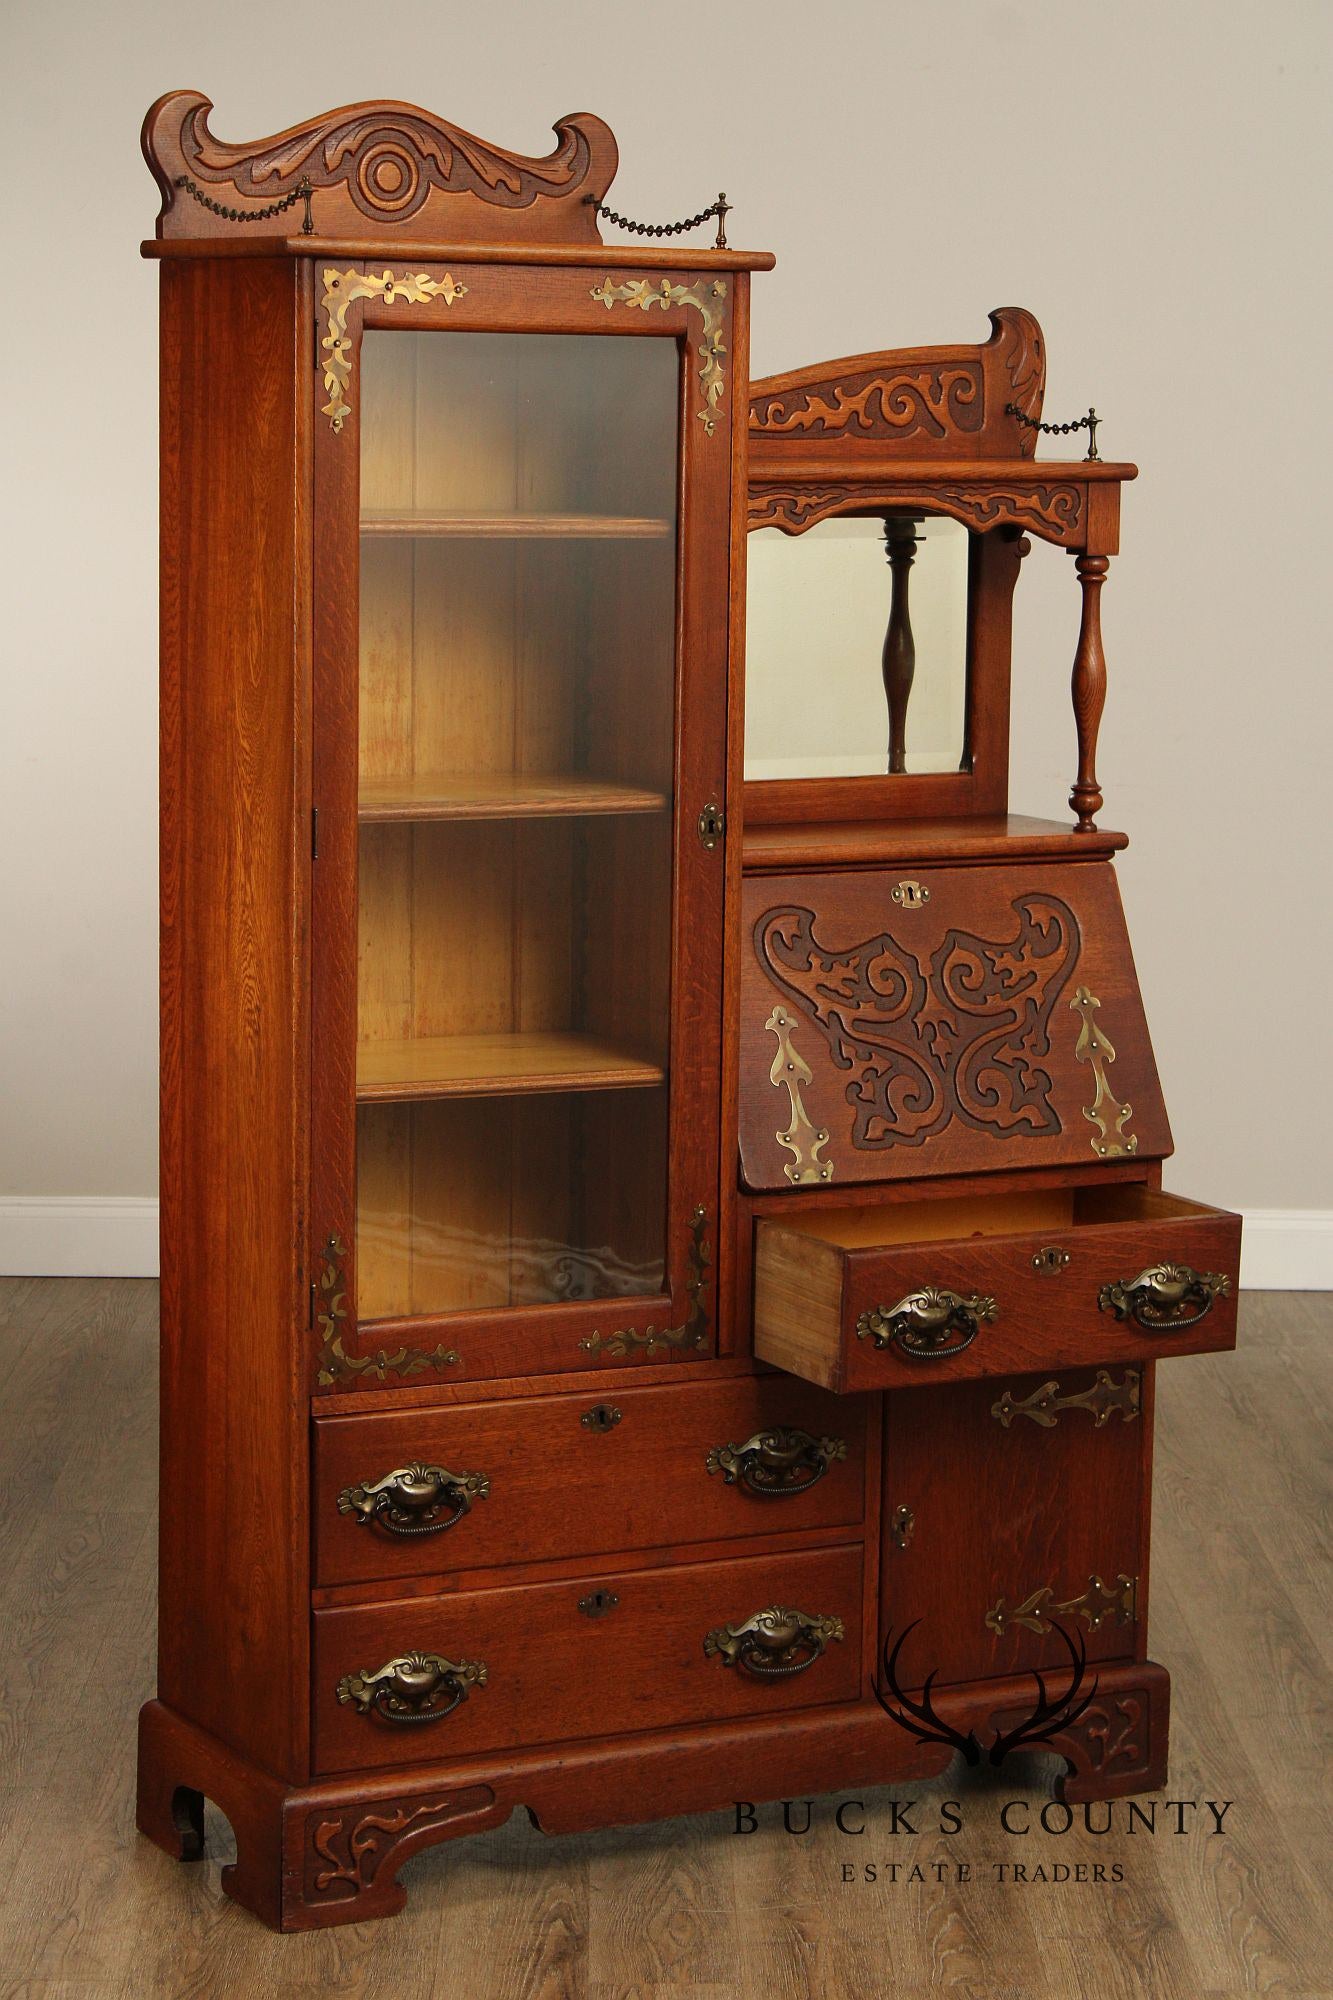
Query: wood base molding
{"type": "Point", "coordinates": [329, 1853]}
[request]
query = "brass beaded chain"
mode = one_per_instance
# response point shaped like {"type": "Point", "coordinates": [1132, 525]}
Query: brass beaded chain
{"type": "Point", "coordinates": [301, 192]}
{"type": "Point", "coordinates": [1088, 424]}
{"type": "Point", "coordinates": [721, 208]}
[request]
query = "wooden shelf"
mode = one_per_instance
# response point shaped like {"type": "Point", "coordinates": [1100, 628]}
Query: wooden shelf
{"type": "Point", "coordinates": [573, 527]}
{"type": "Point", "coordinates": [507, 795]}
{"type": "Point", "coordinates": [960, 840]}
{"type": "Point", "coordinates": [497, 1065]}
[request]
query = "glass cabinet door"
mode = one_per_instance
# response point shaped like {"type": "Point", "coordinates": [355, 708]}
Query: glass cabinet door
{"type": "Point", "coordinates": [518, 539]}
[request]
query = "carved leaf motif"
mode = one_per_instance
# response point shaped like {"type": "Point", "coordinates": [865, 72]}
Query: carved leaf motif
{"type": "Point", "coordinates": [389, 158]}
{"type": "Point", "coordinates": [1022, 350]}
{"type": "Point", "coordinates": [354, 1850]}
{"type": "Point", "coordinates": [1112, 1732]}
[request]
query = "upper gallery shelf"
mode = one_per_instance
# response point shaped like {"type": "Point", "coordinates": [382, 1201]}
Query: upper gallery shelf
{"type": "Point", "coordinates": [575, 527]}
{"type": "Point", "coordinates": [503, 795]}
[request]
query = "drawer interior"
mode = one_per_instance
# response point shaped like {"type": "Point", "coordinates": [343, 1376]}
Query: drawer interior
{"type": "Point", "coordinates": [991, 1215]}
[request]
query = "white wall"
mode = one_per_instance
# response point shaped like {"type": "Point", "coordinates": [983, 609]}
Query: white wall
{"type": "Point", "coordinates": [1147, 177]}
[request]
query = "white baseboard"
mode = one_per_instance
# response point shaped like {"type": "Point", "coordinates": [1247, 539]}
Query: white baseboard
{"type": "Point", "coordinates": [1287, 1250]}
{"type": "Point", "coordinates": [115, 1236]}
{"type": "Point", "coordinates": [78, 1236]}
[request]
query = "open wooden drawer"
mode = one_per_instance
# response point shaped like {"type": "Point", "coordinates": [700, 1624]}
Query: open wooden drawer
{"type": "Point", "coordinates": [911, 1293]}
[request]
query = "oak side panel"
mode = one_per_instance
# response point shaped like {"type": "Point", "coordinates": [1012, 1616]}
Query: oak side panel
{"type": "Point", "coordinates": [234, 868]}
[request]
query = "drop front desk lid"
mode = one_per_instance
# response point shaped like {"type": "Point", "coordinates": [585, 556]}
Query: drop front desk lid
{"type": "Point", "coordinates": [922, 1021]}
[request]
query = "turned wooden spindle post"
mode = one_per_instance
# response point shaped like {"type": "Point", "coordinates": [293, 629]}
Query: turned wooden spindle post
{"type": "Point", "coordinates": [899, 645]}
{"type": "Point", "coordinates": [1089, 690]}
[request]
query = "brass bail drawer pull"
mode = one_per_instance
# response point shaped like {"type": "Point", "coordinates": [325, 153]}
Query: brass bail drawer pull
{"type": "Point", "coordinates": [777, 1463]}
{"type": "Point", "coordinates": [773, 1644]}
{"type": "Point", "coordinates": [414, 1499]}
{"type": "Point", "coordinates": [1166, 1298]}
{"type": "Point", "coordinates": [929, 1324]}
{"type": "Point", "coordinates": [418, 1687]}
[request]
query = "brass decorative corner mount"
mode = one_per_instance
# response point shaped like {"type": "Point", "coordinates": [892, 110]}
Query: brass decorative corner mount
{"type": "Point", "coordinates": [708, 299]}
{"type": "Point", "coordinates": [341, 290]}
{"type": "Point", "coordinates": [335, 1363]}
{"type": "Point", "coordinates": [693, 1331]}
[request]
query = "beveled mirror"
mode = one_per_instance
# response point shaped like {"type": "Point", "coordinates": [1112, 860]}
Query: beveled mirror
{"type": "Point", "coordinates": [856, 649]}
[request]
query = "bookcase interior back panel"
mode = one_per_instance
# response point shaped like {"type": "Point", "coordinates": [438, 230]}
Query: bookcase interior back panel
{"type": "Point", "coordinates": [518, 555]}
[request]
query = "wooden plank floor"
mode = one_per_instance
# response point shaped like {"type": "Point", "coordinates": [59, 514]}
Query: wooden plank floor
{"type": "Point", "coordinates": [1240, 1615]}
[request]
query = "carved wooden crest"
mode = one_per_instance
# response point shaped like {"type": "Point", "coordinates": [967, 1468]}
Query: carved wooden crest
{"type": "Point", "coordinates": [371, 168]}
{"type": "Point", "coordinates": [932, 402]}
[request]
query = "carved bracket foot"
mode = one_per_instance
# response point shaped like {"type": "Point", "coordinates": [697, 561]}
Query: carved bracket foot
{"type": "Point", "coordinates": [1118, 1744]}
{"type": "Point", "coordinates": [349, 1855]}
{"type": "Point", "coordinates": [178, 1768]}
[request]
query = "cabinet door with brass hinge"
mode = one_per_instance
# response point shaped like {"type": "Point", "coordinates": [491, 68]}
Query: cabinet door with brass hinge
{"type": "Point", "coordinates": [1015, 1510]}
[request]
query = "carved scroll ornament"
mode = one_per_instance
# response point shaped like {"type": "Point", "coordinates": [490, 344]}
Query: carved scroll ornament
{"type": "Point", "coordinates": [381, 164]}
{"type": "Point", "coordinates": [901, 403]}
{"type": "Point", "coordinates": [1053, 511]}
{"type": "Point", "coordinates": [961, 1036]}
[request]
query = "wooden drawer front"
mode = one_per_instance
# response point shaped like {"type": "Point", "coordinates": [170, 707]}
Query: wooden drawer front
{"type": "Point", "coordinates": [1027, 1500]}
{"type": "Point", "coordinates": [553, 1672]}
{"type": "Point", "coordinates": [951, 1020]}
{"type": "Point", "coordinates": [851, 1298]}
{"type": "Point", "coordinates": [585, 1475]}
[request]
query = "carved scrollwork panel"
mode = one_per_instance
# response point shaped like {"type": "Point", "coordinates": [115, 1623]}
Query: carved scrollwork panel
{"type": "Point", "coordinates": [959, 1036]}
{"type": "Point", "coordinates": [1052, 510]}
{"type": "Point", "coordinates": [928, 402]}
{"type": "Point", "coordinates": [887, 403]}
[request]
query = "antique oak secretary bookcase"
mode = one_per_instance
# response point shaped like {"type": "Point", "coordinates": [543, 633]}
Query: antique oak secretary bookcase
{"type": "Point", "coordinates": [664, 1253]}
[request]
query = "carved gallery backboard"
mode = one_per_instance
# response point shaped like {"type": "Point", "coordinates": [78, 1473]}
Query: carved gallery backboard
{"type": "Point", "coordinates": [992, 1011]}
